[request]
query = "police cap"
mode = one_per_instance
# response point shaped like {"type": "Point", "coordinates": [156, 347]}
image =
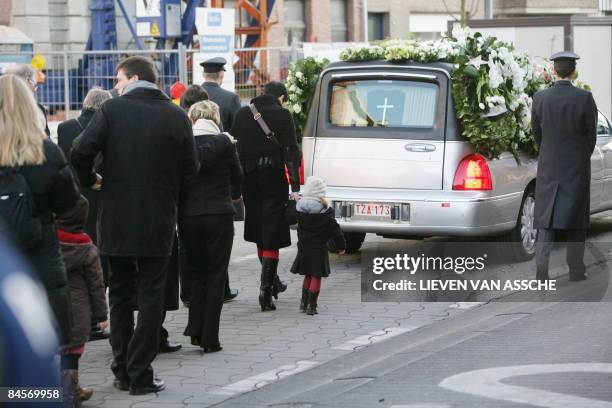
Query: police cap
{"type": "Point", "coordinates": [564, 55]}
{"type": "Point", "coordinates": [215, 64]}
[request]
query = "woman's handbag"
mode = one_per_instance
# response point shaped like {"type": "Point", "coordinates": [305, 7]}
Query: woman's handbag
{"type": "Point", "coordinates": [291, 211]}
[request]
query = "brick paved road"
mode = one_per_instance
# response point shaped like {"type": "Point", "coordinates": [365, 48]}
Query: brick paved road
{"type": "Point", "coordinates": [259, 348]}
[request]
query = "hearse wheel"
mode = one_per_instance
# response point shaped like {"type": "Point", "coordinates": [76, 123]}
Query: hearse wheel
{"type": "Point", "coordinates": [523, 237]}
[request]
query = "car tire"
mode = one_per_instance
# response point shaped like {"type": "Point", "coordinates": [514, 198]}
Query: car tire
{"type": "Point", "coordinates": [522, 238]}
{"type": "Point", "coordinates": [354, 240]}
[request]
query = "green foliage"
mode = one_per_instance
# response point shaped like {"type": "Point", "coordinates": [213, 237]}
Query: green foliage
{"type": "Point", "coordinates": [301, 81]}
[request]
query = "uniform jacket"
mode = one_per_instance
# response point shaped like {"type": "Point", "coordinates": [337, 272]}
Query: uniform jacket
{"type": "Point", "coordinates": [55, 191]}
{"type": "Point", "coordinates": [82, 260]}
{"type": "Point", "coordinates": [564, 122]}
{"type": "Point", "coordinates": [265, 189]}
{"type": "Point", "coordinates": [67, 131]}
{"type": "Point", "coordinates": [211, 191]}
{"type": "Point", "coordinates": [228, 102]}
{"type": "Point", "coordinates": [148, 152]}
{"type": "Point", "coordinates": [315, 228]}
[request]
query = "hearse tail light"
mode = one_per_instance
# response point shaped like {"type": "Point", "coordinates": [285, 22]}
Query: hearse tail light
{"type": "Point", "coordinates": [473, 174]}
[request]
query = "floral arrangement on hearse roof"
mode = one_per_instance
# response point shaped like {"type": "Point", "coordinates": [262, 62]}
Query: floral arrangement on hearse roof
{"type": "Point", "coordinates": [493, 85]}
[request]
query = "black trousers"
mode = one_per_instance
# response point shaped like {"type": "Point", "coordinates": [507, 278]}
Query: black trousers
{"type": "Point", "coordinates": [186, 276]}
{"type": "Point", "coordinates": [136, 282]}
{"type": "Point", "coordinates": [208, 240]}
{"type": "Point", "coordinates": [574, 252]}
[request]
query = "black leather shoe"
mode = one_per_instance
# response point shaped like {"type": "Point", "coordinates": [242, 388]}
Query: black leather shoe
{"type": "Point", "coordinates": [231, 295]}
{"type": "Point", "coordinates": [576, 277]}
{"type": "Point", "coordinates": [156, 386]}
{"type": "Point", "coordinates": [121, 385]}
{"type": "Point", "coordinates": [98, 334]}
{"type": "Point", "coordinates": [169, 347]}
{"type": "Point", "coordinates": [206, 350]}
{"type": "Point", "coordinates": [278, 286]}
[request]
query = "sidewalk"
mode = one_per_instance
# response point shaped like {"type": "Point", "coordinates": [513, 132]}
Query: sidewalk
{"type": "Point", "coordinates": [260, 348]}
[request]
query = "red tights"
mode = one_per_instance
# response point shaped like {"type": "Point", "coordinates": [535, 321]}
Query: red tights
{"type": "Point", "coordinates": [267, 253]}
{"type": "Point", "coordinates": [312, 283]}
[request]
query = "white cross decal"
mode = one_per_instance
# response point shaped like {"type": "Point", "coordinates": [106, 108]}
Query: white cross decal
{"type": "Point", "coordinates": [384, 108]}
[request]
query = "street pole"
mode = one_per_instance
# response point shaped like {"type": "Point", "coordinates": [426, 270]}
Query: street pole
{"type": "Point", "coordinates": [489, 9]}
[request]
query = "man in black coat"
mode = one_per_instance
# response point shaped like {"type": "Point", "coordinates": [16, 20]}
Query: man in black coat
{"type": "Point", "coordinates": [229, 103]}
{"type": "Point", "coordinates": [265, 189]}
{"type": "Point", "coordinates": [67, 131]}
{"type": "Point", "coordinates": [148, 152]}
{"type": "Point", "coordinates": [564, 121]}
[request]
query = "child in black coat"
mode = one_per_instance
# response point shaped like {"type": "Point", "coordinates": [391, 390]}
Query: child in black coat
{"type": "Point", "coordinates": [316, 226]}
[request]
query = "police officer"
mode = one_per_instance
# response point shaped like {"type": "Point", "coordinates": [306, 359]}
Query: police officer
{"type": "Point", "coordinates": [229, 104]}
{"type": "Point", "coordinates": [564, 121]}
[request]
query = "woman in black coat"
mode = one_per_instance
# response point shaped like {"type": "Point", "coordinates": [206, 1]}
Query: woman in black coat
{"type": "Point", "coordinates": [206, 225]}
{"type": "Point", "coordinates": [69, 130]}
{"type": "Point", "coordinates": [265, 190]}
{"type": "Point", "coordinates": [51, 182]}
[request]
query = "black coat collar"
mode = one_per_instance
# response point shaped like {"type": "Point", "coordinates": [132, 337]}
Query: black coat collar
{"type": "Point", "coordinates": [266, 100]}
{"type": "Point", "coordinates": [87, 113]}
{"type": "Point", "coordinates": [147, 93]}
{"type": "Point", "coordinates": [563, 82]}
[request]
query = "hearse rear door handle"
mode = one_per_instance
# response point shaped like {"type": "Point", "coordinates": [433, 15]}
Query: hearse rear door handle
{"type": "Point", "coordinates": [420, 147]}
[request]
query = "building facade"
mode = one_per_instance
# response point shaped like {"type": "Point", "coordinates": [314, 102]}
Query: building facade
{"type": "Point", "coordinates": [57, 25]}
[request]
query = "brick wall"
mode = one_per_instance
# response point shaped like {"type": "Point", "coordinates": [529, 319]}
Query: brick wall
{"type": "Point", "coordinates": [354, 18]}
{"type": "Point", "coordinates": [318, 20]}
{"type": "Point", "coordinates": [5, 12]}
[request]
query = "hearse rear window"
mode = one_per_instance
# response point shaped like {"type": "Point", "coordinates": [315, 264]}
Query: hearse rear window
{"type": "Point", "coordinates": [383, 103]}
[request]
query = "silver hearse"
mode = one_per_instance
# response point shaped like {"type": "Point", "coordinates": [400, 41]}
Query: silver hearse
{"type": "Point", "coordinates": [386, 140]}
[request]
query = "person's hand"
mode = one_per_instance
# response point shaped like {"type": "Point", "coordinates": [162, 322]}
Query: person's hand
{"type": "Point", "coordinates": [296, 196]}
{"type": "Point", "coordinates": [103, 325]}
{"type": "Point", "coordinates": [231, 138]}
{"type": "Point", "coordinates": [98, 183]}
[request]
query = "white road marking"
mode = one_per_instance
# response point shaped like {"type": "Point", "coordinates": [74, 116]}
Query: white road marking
{"type": "Point", "coordinates": [487, 383]}
{"type": "Point", "coordinates": [422, 405]}
{"type": "Point", "coordinates": [374, 337]}
{"type": "Point", "coordinates": [465, 305]}
{"type": "Point", "coordinates": [265, 378]}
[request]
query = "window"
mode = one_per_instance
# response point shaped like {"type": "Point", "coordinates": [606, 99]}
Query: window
{"type": "Point", "coordinates": [338, 21]}
{"type": "Point", "coordinates": [378, 26]}
{"type": "Point", "coordinates": [383, 103]}
{"type": "Point", "coordinates": [603, 126]}
{"type": "Point", "coordinates": [295, 28]}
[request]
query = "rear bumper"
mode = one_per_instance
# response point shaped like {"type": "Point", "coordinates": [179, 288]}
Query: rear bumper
{"type": "Point", "coordinates": [455, 213]}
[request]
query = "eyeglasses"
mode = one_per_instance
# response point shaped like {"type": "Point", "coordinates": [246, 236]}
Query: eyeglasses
{"type": "Point", "coordinates": [33, 84]}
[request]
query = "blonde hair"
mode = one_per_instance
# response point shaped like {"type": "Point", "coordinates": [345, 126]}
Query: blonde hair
{"type": "Point", "coordinates": [323, 201]}
{"type": "Point", "coordinates": [205, 110]}
{"type": "Point", "coordinates": [21, 124]}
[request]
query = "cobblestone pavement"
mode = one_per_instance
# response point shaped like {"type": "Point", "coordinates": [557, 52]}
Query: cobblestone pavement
{"type": "Point", "coordinates": [260, 348]}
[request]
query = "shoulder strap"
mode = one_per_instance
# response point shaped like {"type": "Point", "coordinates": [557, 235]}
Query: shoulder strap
{"type": "Point", "coordinates": [263, 125]}
{"type": "Point", "coordinates": [80, 124]}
